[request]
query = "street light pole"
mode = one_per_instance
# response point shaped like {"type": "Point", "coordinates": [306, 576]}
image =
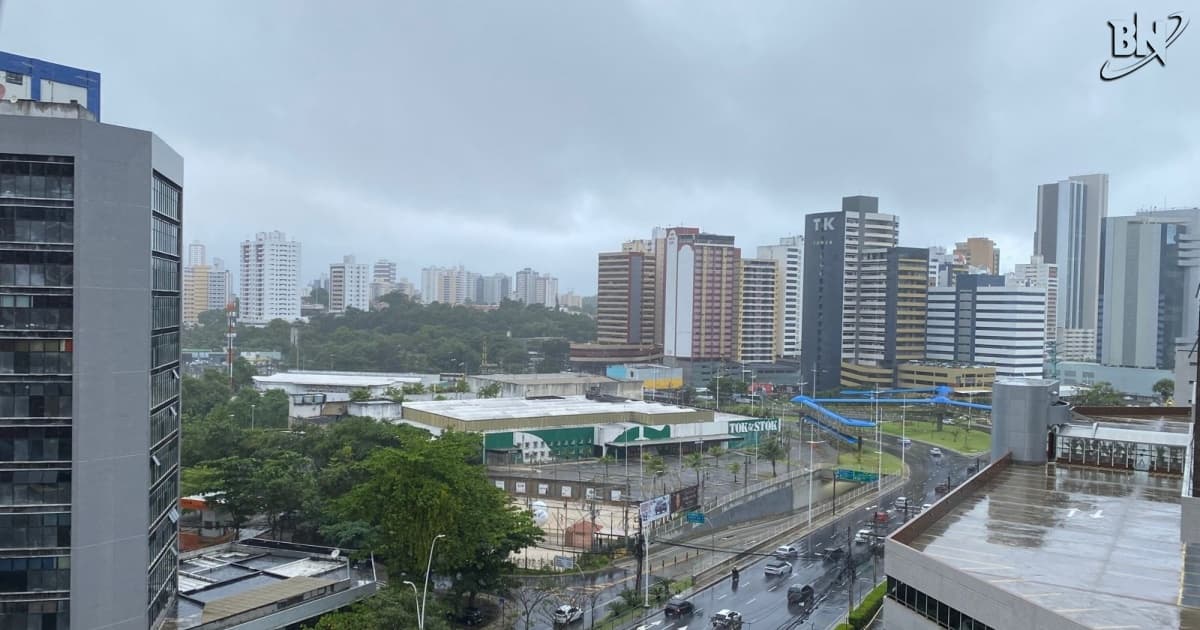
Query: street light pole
{"type": "Point", "coordinates": [416, 601]}
{"type": "Point", "coordinates": [428, 566]}
{"type": "Point", "coordinates": [251, 415]}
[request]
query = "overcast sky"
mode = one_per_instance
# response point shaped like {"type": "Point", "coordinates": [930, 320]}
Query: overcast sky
{"type": "Point", "coordinates": [500, 135]}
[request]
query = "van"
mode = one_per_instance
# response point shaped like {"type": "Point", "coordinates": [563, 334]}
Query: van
{"type": "Point", "coordinates": [901, 503]}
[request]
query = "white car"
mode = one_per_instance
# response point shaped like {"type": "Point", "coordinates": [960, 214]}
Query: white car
{"type": "Point", "coordinates": [935, 451]}
{"type": "Point", "coordinates": [926, 506]}
{"type": "Point", "coordinates": [863, 536]}
{"type": "Point", "coordinates": [787, 551]}
{"type": "Point", "coordinates": [726, 619]}
{"type": "Point", "coordinates": [906, 442]}
{"type": "Point", "coordinates": [901, 503]}
{"type": "Point", "coordinates": [567, 614]}
{"type": "Point", "coordinates": [778, 568]}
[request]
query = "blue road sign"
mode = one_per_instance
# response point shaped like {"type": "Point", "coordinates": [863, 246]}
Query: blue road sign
{"type": "Point", "coordinates": [845, 474]}
{"type": "Point", "coordinates": [695, 517]}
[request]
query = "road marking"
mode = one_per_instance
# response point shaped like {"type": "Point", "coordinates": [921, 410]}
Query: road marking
{"type": "Point", "coordinates": [773, 588]}
{"type": "Point", "coordinates": [752, 600]}
{"type": "Point", "coordinates": [721, 596]}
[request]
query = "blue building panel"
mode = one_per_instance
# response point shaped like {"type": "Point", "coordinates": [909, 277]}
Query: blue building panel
{"type": "Point", "coordinates": [40, 70]}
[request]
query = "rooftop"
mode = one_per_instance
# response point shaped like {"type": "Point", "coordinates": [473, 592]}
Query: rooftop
{"type": "Point", "coordinates": [1099, 547]}
{"type": "Point", "coordinates": [561, 378]}
{"type": "Point", "coordinates": [512, 408]}
{"type": "Point", "coordinates": [340, 379]}
{"type": "Point", "coordinates": [225, 586]}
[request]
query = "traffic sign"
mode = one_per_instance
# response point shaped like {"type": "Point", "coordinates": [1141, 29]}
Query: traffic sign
{"type": "Point", "coordinates": [846, 474]}
{"type": "Point", "coordinates": [695, 517]}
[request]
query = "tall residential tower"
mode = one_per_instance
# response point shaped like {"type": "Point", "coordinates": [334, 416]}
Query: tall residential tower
{"type": "Point", "coordinates": [270, 279]}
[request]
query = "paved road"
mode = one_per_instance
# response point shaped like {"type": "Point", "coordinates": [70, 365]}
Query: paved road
{"type": "Point", "coordinates": [762, 601]}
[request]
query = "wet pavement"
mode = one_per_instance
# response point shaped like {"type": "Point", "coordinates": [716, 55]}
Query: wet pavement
{"type": "Point", "coordinates": [1100, 547]}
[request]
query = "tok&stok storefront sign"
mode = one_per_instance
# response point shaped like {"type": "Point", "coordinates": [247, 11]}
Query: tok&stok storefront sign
{"type": "Point", "coordinates": [754, 426]}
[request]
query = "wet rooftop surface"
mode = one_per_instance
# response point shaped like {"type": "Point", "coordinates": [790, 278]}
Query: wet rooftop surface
{"type": "Point", "coordinates": [1099, 547]}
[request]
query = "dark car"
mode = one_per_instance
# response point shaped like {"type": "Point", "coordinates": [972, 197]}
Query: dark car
{"type": "Point", "coordinates": [678, 608]}
{"type": "Point", "coordinates": [832, 554]}
{"type": "Point", "coordinates": [468, 617]}
{"type": "Point", "coordinates": [801, 595]}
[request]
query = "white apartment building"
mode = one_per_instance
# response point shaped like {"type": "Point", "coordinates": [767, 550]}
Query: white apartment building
{"type": "Point", "coordinates": [384, 271]}
{"type": "Point", "coordinates": [270, 279]}
{"type": "Point", "coordinates": [789, 292]}
{"type": "Point", "coordinates": [984, 322]}
{"type": "Point", "coordinates": [349, 286]}
{"type": "Point", "coordinates": [756, 325]}
{"type": "Point", "coordinates": [868, 234]}
{"type": "Point", "coordinates": [448, 285]}
{"type": "Point", "coordinates": [531, 287]}
{"type": "Point", "coordinates": [1040, 274]}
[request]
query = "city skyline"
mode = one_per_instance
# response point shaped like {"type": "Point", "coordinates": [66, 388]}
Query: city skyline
{"type": "Point", "coordinates": [576, 162]}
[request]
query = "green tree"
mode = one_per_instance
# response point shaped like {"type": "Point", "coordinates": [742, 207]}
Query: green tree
{"type": "Point", "coordinates": [1101, 394]}
{"type": "Point", "coordinates": [393, 394]}
{"type": "Point", "coordinates": [735, 468]}
{"type": "Point", "coordinates": [411, 495]}
{"type": "Point", "coordinates": [243, 374]}
{"type": "Point", "coordinates": [727, 389]}
{"type": "Point", "coordinates": [491, 390]}
{"type": "Point", "coordinates": [695, 461]}
{"type": "Point", "coordinates": [392, 607]}
{"type": "Point", "coordinates": [286, 485]}
{"type": "Point", "coordinates": [202, 394]}
{"type": "Point", "coordinates": [1165, 388]}
{"type": "Point", "coordinates": [359, 395]}
{"type": "Point", "coordinates": [238, 489]}
{"type": "Point", "coordinates": [413, 389]}
{"type": "Point", "coordinates": [773, 450]}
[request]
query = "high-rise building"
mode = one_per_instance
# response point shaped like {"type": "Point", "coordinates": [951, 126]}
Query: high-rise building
{"type": "Point", "coordinates": [1044, 275]}
{"type": "Point", "coordinates": [1148, 296]}
{"type": "Point", "coordinates": [524, 286]}
{"type": "Point", "coordinates": [89, 401]}
{"type": "Point", "coordinates": [448, 285]}
{"type": "Point", "coordinates": [26, 78]}
{"type": "Point", "coordinates": [626, 298]}
{"type": "Point", "coordinates": [756, 324]}
{"type": "Point", "coordinates": [700, 309]}
{"type": "Point", "coordinates": [270, 279]}
{"type": "Point", "coordinates": [980, 252]}
{"type": "Point", "coordinates": [195, 292]}
{"type": "Point", "coordinates": [545, 291]}
{"type": "Point", "coordinates": [494, 289]}
{"type": "Point", "coordinates": [196, 254]}
{"type": "Point", "coordinates": [349, 286]}
{"type": "Point", "coordinates": [384, 271]}
{"type": "Point", "coordinates": [789, 292]}
{"type": "Point", "coordinates": [982, 321]}
{"type": "Point", "coordinates": [834, 245]}
{"type": "Point", "coordinates": [893, 285]}
{"type": "Point", "coordinates": [1070, 215]}
{"type": "Point", "coordinates": [220, 285]}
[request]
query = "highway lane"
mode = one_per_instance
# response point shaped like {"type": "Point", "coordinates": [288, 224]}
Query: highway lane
{"type": "Point", "coordinates": [763, 601]}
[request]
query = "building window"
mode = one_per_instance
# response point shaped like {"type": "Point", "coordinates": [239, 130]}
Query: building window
{"type": "Point", "coordinates": [23, 531]}
{"type": "Point", "coordinates": [166, 275]}
{"type": "Point", "coordinates": [164, 386]}
{"type": "Point", "coordinates": [21, 575]}
{"type": "Point", "coordinates": [165, 198]}
{"type": "Point", "coordinates": [35, 444]}
{"type": "Point", "coordinates": [36, 357]}
{"type": "Point", "coordinates": [164, 349]}
{"type": "Point", "coordinates": [35, 400]}
{"type": "Point", "coordinates": [937, 612]}
{"type": "Point", "coordinates": [32, 224]}
{"type": "Point", "coordinates": [36, 177]}
{"type": "Point", "coordinates": [35, 487]}
{"type": "Point", "coordinates": [165, 238]}
{"type": "Point", "coordinates": [44, 615]}
{"type": "Point", "coordinates": [164, 497]}
{"type": "Point", "coordinates": [35, 312]}
{"type": "Point", "coordinates": [163, 460]}
{"type": "Point", "coordinates": [165, 311]}
{"type": "Point", "coordinates": [164, 422]}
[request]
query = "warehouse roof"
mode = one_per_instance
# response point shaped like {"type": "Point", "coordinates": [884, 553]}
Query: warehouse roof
{"type": "Point", "coordinates": [338, 379]}
{"type": "Point", "coordinates": [561, 378]}
{"type": "Point", "coordinates": [512, 408]}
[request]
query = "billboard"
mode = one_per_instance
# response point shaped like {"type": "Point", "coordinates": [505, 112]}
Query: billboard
{"type": "Point", "coordinates": [742, 427]}
{"type": "Point", "coordinates": [685, 499]}
{"type": "Point", "coordinates": [655, 509]}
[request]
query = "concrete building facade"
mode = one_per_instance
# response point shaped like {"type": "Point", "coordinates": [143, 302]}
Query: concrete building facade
{"type": "Point", "coordinates": [701, 294]}
{"type": "Point", "coordinates": [270, 279]}
{"type": "Point", "coordinates": [626, 297]}
{"type": "Point", "coordinates": [1043, 275]}
{"type": "Point", "coordinates": [835, 246]}
{"type": "Point", "coordinates": [982, 321]}
{"type": "Point", "coordinates": [757, 316]}
{"type": "Point", "coordinates": [349, 286]}
{"type": "Point", "coordinates": [1070, 216]}
{"type": "Point", "coordinates": [789, 292]}
{"type": "Point", "coordinates": [893, 284]}
{"type": "Point", "coordinates": [383, 271]}
{"type": "Point", "coordinates": [448, 285]}
{"type": "Point", "coordinates": [90, 418]}
{"type": "Point", "coordinates": [1149, 298]}
{"type": "Point", "coordinates": [495, 288]}
{"type": "Point", "coordinates": [981, 252]}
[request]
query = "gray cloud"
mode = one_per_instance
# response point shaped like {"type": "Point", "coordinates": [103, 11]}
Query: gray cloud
{"type": "Point", "coordinates": [505, 135]}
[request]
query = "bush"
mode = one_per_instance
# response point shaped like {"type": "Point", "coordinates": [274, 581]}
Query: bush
{"type": "Point", "coordinates": [865, 612]}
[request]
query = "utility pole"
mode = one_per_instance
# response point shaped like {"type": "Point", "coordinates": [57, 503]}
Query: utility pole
{"type": "Point", "coordinates": [850, 577]}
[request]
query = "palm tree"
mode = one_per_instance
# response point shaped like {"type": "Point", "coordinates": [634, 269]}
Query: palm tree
{"type": "Point", "coordinates": [716, 452]}
{"type": "Point", "coordinates": [735, 468]}
{"type": "Point", "coordinates": [773, 450]}
{"type": "Point", "coordinates": [606, 460]}
{"type": "Point", "coordinates": [657, 466]}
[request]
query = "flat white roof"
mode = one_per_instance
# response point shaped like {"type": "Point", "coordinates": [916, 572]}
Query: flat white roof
{"type": "Point", "coordinates": [559, 378]}
{"type": "Point", "coordinates": [340, 379]}
{"type": "Point", "coordinates": [1116, 434]}
{"type": "Point", "coordinates": [505, 408]}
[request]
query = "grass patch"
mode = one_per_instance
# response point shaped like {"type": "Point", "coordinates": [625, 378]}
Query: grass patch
{"type": "Point", "coordinates": [868, 461]}
{"type": "Point", "coordinates": [955, 437]}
